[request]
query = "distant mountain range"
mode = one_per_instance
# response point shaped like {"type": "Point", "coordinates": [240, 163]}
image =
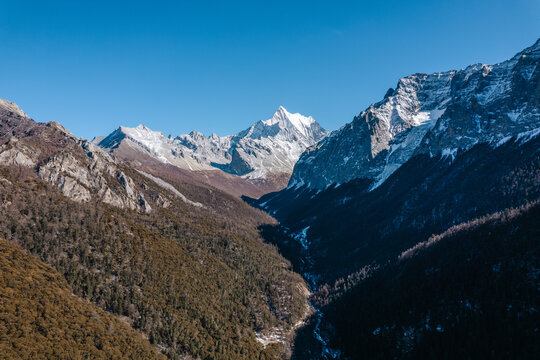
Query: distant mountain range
{"type": "Point", "coordinates": [440, 149]}
{"type": "Point", "coordinates": [428, 120]}
{"type": "Point", "coordinates": [264, 154]}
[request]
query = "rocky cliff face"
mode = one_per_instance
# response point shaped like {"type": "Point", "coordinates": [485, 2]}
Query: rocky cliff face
{"type": "Point", "coordinates": [269, 148]}
{"type": "Point", "coordinates": [81, 181]}
{"type": "Point", "coordinates": [436, 114]}
{"type": "Point", "coordinates": [80, 169]}
{"type": "Point", "coordinates": [273, 146]}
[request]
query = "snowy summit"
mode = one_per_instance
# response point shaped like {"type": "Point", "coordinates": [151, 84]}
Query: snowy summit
{"type": "Point", "coordinates": [268, 148]}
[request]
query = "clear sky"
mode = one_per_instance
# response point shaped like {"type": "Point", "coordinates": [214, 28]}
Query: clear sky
{"type": "Point", "coordinates": [220, 66]}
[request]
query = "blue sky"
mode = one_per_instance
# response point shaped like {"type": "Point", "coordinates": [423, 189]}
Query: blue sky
{"type": "Point", "coordinates": [220, 66]}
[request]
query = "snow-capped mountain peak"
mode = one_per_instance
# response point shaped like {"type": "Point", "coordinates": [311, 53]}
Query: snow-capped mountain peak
{"type": "Point", "coordinates": [141, 132]}
{"type": "Point", "coordinates": [284, 118]}
{"type": "Point", "coordinates": [273, 146]}
{"type": "Point", "coordinates": [283, 122]}
{"type": "Point", "coordinates": [267, 148]}
{"type": "Point", "coordinates": [440, 113]}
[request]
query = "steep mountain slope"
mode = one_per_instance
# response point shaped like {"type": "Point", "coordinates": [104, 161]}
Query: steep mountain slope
{"type": "Point", "coordinates": [342, 229]}
{"type": "Point", "coordinates": [261, 156]}
{"type": "Point", "coordinates": [273, 146]}
{"type": "Point", "coordinates": [440, 150]}
{"type": "Point", "coordinates": [40, 318]}
{"type": "Point", "coordinates": [364, 220]}
{"type": "Point", "coordinates": [339, 236]}
{"type": "Point", "coordinates": [471, 292]}
{"type": "Point", "coordinates": [77, 167]}
{"type": "Point", "coordinates": [440, 113]}
{"type": "Point", "coordinates": [182, 263]}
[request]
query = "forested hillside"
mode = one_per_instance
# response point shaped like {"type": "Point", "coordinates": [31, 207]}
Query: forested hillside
{"type": "Point", "coordinates": [40, 318]}
{"type": "Point", "coordinates": [194, 284]}
{"type": "Point", "coordinates": [182, 262]}
{"type": "Point", "coordinates": [469, 292]}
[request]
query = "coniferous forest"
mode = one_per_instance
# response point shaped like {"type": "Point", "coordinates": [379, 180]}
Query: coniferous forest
{"type": "Point", "coordinates": [189, 283]}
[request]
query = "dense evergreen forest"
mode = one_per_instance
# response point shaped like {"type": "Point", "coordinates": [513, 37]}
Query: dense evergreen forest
{"type": "Point", "coordinates": [40, 318]}
{"type": "Point", "coordinates": [192, 283]}
{"type": "Point", "coordinates": [468, 293]}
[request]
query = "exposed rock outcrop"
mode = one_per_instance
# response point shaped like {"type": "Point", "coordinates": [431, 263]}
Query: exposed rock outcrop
{"type": "Point", "coordinates": [435, 114]}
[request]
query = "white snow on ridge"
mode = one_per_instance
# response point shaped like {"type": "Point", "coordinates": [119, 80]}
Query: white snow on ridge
{"type": "Point", "coordinates": [502, 141]}
{"type": "Point", "coordinates": [300, 122]}
{"type": "Point", "coordinates": [267, 147]}
{"type": "Point", "coordinates": [487, 104]}
{"type": "Point", "coordinates": [403, 147]}
{"type": "Point", "coordinates": [153, 141]}
{"type": "Point", "coordinates": [449, 153]}
{"type": "Point", "coordinates": [528, 135]}
{"type": "Point", "coordinates": [514, 115]}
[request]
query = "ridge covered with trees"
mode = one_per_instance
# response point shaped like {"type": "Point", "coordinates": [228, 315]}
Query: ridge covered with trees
{"type": "Point", "coordinates": [193, 284]}
{"type": "Point", "coordinates": [40, 318]}
{"type": "Point", "coordinates": [189, 271]}
{"type": "Point", "coordinates": [468, 292]}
